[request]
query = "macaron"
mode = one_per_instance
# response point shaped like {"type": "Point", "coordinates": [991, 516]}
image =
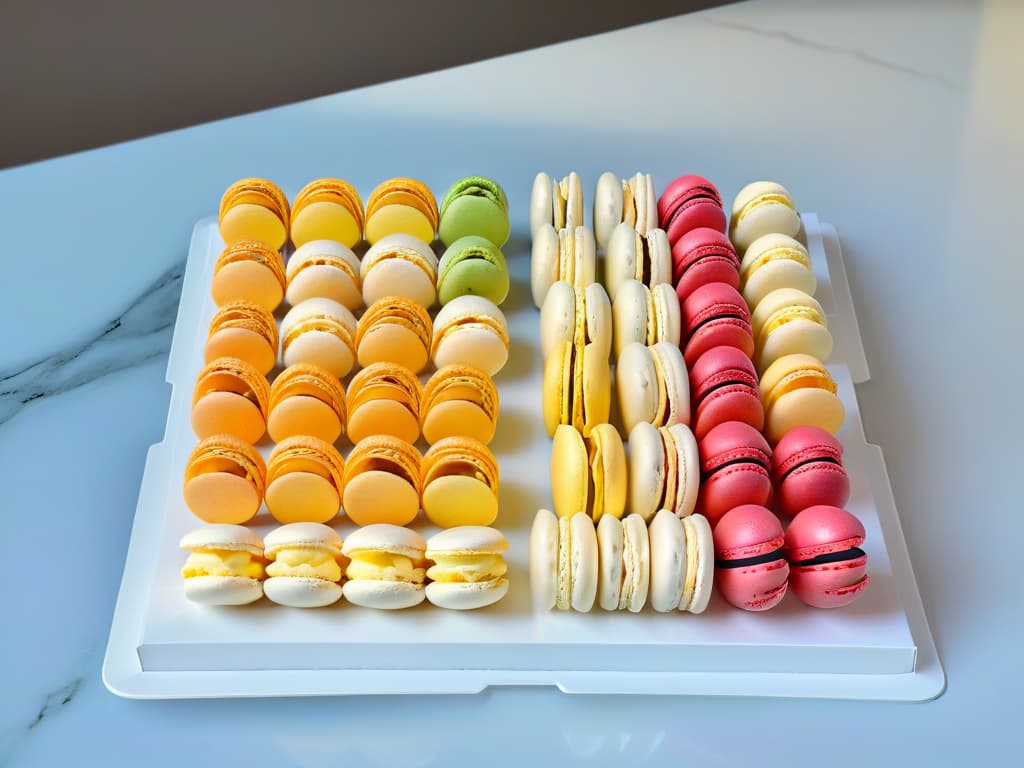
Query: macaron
{"type": "Point", "coordinates": [245, 331]}
{"type": "Point", "coordinates": [664, 470]}
{"type": "Point", "coordinates": [788, 321]}
{"type": "Point", "coordinates": [254, 209]}
{"type": "Point", "coordinates": [761, 208]}
{"type": "Point", "coordinates": [382, 481]}
{"type": "Point", "coordinates": [735, 463]}
{"type": "Point", "coordinates": [827, 565]}
{"type": "Point", "coordinates": [703, 256]}
{"type": "Point", "coordinates": [807, 470]}
{"type": "Point", "coordinates": [225, 479]}
{"type": "Point", "coordinates": [557, 204]}
{"type": "Point", "coordinates": [652, 385]}
{"type": "Point", "coordinates": [687, 203]}
{"type": "Point", "coordinates": [566, 254]}
{"type": "Point", "coordinates": [472, 265]}
{"type": "Point", "coordinates": [305, 565]}
{"type": "Point", "coordinates": [588, 474]}
{"type": "Point", "coordinates": [715, 315]}
{"type": "Point", "coordinates": [327, 269]}
{"type": "Point", "coordinates": [682, 562]}
{"type": "Point", "coordinates": [750, 570]}
{"type": "Point", "coordinates": [474, 205]}
{"type": "Point", "coordinates": [460, 483]}
{"type": "Point", "coordinates": [724, 387]}
{"type": "Point", "coordinates": [399, 265]}
{"type": "Point", "coordinates": [797, 390]}
{"type": "Point", "coordinates": [577, 563]}
{"type": "Point", "coordinates": [569, 313]}
{"type": "Point", "coordinates": [306, 400]}
{"type": "Point", "coordinates": [624, 563]}
{"type": "Point", "coordinates": [231, 397]}
{"type": "Point", "coordinates": [327, 209]}
{"type": "Point", "coordinates": [319, 332]}
{"type": "Point", "coordinates": [644, 315]}
{"type": "Point", "coordinates": [387, 567]}
{"type": "Point", "coordinates": [224, 566]}
{"type": "Point", "coordinates": [775, 261]}
{"type": "Point", "coordinates": [396, 330]}
{"type": "Point", "coordinates": [632, 256]}
{"type": "Point", "coordinates": [468, 570]}
{"type": "Point", "coordinates": [248, 271]}
{"type": "Point", "coordinates": [401, 206]}
{"type": "Point", "coordinates": [576, 386]}
{"type": "Point", "coordinates": [471, 330]}
{"type": "Point", "coordinates": [305, 478]}
{"type": "Point", "coordinates": [459, 400]}
{"type": "Point", "coordinates": [384, 399]}
{"type": "Point", "coordinates": [619, 200]}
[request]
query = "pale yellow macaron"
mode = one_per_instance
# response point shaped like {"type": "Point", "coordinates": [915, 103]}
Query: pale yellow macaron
{"type": "Point", "coordinates": [632, 256]}
{"type": "Point", "coordinates": [399, 265]}
{"type": "Point", "coordinates": [775, 261]}
{"type": "Point", "coordinates": [471, 330]}
{"type": "Point", "coordinates": [576, 386]}
{"type": "Point", "coordinates": [576, 313]}
{"type": "Point", "coordinates": [320, 332]}
{"type": "Point", "coordinates": [797, 390]}
{"type": "Point", "coordinates": [327, 209]}
{"type": "Point", "coordinates": [384, 399]}
{"type": "Point", "coordinates": [324, 269]}
{"type": "Point", "coordinates": [468, 570]}
{"type": "Point", "coordinates": [645, 315]}
{"type": "Point", "coordinates": [761, 208]}
{"type": "Point", "coordinates": [224, 565]}
{"type": "Point", "coordinates": [459, 400]}
{"type": "Point", "coordinates": [254, 209]}
{"type": "Point", "coordinates": [556, 204]}
{"type": "Point", "coordinates": [382, 481]}
{"type": "Point", "coordinates": [230, 397]}
{"type": "Point", "coordinates": [401, 206]}
{"type": "Point", "coordinates": [565, 254]}
{"type": "Point", "coordinates": [305, 480]}
{"type": "Point", "coordinates": [306, 400]}
{"type": "Point", "coordinates": [789, 321]}
{"type": "Point", "coordinates": [305, 566]}
{"type": "Point", "coordinates": [245, 331]}
{"type": "Point", "coordinates": [460, 483]}
{"type": "Point", "coordinates": [249, 271]}
{"type": "Point", "coordinates": [387, 569]}
{"type": "Point", "coordinates": [225, 479]}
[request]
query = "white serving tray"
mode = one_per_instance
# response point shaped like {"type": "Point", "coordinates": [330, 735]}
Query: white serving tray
{"type": "Point", "coordinates": [162, 646]}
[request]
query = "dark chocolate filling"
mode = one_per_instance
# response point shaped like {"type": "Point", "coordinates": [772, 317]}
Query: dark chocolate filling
{"type": "Point", "coordinates": [713, 318]}
{"type": "Point", "coordinates": [768, 557]}
{"type": "Point", "coordinates": [733, 462]}
{"type": "Point", "coordinates": [816, 460]}
{"type": "Point", "coordinates": [833, 557]}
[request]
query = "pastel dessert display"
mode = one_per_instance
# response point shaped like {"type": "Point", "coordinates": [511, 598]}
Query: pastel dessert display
{"type": "Point", "coordinates": [687, 203]}
{"type": "Point", "coordinates": [716, 315]}
{"type": "Point", "coordinates": [248, 271]}
{"type": "Point", "coordinates": [563, 561]}
{"type": "Point", "coordinates": [735, 465]}
{"type": "Point", "coordinates": [652, 385]}
{"type": "Point", "coordinates": [828, 569]}
{"type": "Point", "coordinates": [245, 331]}
{"type": "Point", "coordinates": [305, 479]}
{"type": "Point", "coordinates": [305, 565]}
{"type": "Point", "coordinates": [324, 269]}
{"type": "Point", "coordinates": [588, 474]}
{"type": "Point", "coordinates": [472, 265]}
{"type": "Point", "coordinates": [401, 206]}
{"type": "Point", "coordinates": [306, 400]}
{"type": "Point", "coordinates": [254, 209]}
{"type": "Point", "coordinates": [225, 479]}
{"type": "Point", "coordinates": [396, 330]}
{"type": "Point", "coordinates": [623, 563]}
{"type": "Point", "coordinates": [775, 261]}
{"type": "Point", "coordinates": [387, 567]}
{"type": "Point", "coordinates": [475, 205]}
{"type": "Point", "coordinates": [231, 397]}
{"type": "Point", "coordinates": [616, 200]}
{"type": "Point", "coordinates": [399, 265]}
{"type": "Point", "coordinates": [797, 390]}
{"type": "Point", "coordinates": [788, 321]}
{"type": "Point", "coordinates": [569, 313]}
{"type": "Point", "coordinates": [384, 399]}
{"type": "Point", "coordinates": [682, 554]}
{"type": "Point", "coordinates": [750, 570]}
{"type": "Point", "coordinates": [664, 470]}
{"type": "Point", "coordinates": [567, 254]}
{"type": "Point", "coordinates": [459, 401]}
{"type": "Point", "coordinates": [471, 330]}
{"type": "Point", "coordinates": [319, 332]}
{"type": "Point", "coordinates": [724, 387]}
{"type": "Point", "coordinates": [701, 256]}
{"type": "Point", "coordinates": [460, 483]}
{"type": "Point", "coordinates": [644, 315]}
{"type": "Point", "coordinates": [556, 204]}
{"type": "Point", "coordinates": [469, 568]}
{"type": "Point", "coordinates": [327, 209]}
{"type": "Point", "coordinates": [224, 565]}
{"type": "Point", "coordinates": [576, 386]}
{"type": "Point", "coordinates": [761, 208]}
{"type": "Point", "coordinates": [807, 470]}
{"type": "Point", "coordinates": [382, 481]}
{"type": "Point", "coordinates": [630, 255]}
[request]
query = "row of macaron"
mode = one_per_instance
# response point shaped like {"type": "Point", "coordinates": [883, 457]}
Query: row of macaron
{"type": "Point", "coordinates": [308, 565]}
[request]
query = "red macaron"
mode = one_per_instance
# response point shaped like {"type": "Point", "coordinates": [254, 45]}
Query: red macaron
{"type": "Point", "coordinates": [828, 567]}
{"type": "Point", "coordinates": [715, 315]}
{"type": "Point", "coordinates": [807, 470]}
{"type": "Point", "coordinates": [724, 387]}
{"type": "Point", "coordinates": [703, 256]}
{"type": "Point", "coordinates": [687, 203]}
{"type": "Point", "coordinates": [750, 570]}
{"type": "Point", "coordinates": [734, 469]}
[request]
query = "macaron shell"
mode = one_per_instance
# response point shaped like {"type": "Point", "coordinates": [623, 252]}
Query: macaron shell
{"type": "Point", "coordinates": [607, 456]}
{"type": "Point", "coordinates": [822, 530]}
{"type": "Point", "coordinates": [569, 471]}
{"type": "Point", "coordinates": [378, 496]}
{"type": "Point", "coordinates": [578, 259]}
{"type": "Point", "coordinates": [386, 342]}
{"type": "Point", "coordinates": [831, 585]}
{"type": "Point", "coordinates": [243, 344]}
{"type": "Point", "coordinates": [466, 596]}
{"type": "Point", "coordinates": [754, 588]}
{"type": "Point", "coordinates": [544, 560]}
{"type": "Point", "coordinates": [459, 500]}
{"type": "Point", "coordinates": [636, 383]}
{"type": "Point", "coordinates": [472, 265]}
{"type": "Point", "coordinates": [458, 418]}
{"type": "Point", "coordinates": [222, 497]}
{"type": "Point", "coordinates": [646, 478]}
{"type": "Point", "coordinates": [668, 315]}
{"type": "Point", "coordinates": [223, 590]}
{"type": "Point", "coordinates": [300, 592]}
{"type": "Point", "coordinates": [636, 564]}
{"type": "Point", "coordinates": [228, 413]}
{"type": "Point", "coordinates": [725, 388]}
{"type": "Point", "coordinates": [744, 532]}
{"type": "Point", "coordinates": [544, 263]}
{"type": "Point", "coordinates": [541, 204]}
{"type": "Point", "coordinates": [775, 275]}
{"type": "Point", "coordinates": [583, 563]}
{"type": "Point", "coordinates": [474, 215]}
{"type": "Point", "coordinates": [609, 560]}
{"type": "Point", "coordinates": [399, 219]}
{"type": "Point", "coordinates": [598, 318]}
{"type": "Point", "coordinates": [762, 219]}
{"type": "Point", "coordinates": [629, 315]}
{"type": "Point", "coordinates": [399, 277]}
{"type": "Point", "coordinates": [247, 281]}
{"type": "Point", "coordinates": [797, 336]}
{"type": "Point", "coordinates": [675, 381]}
{"type": "Point", "coordinates": [303, 415]}
{"type": "Point", "coordinates": [608, 206]}
{"type": "Point", "coordinates": [324, 220]}
{"type": "Point", "coordinates": [732, 476]}
{"type": "Point", "coordinates": [620, 258]}
{"type": "Point", "coordinates": [557, 316]}
{"type": "Point", "coordinates": [698, 533]}
{"type": "Point", "coordinates": [383, 417]}
{"type": "Point", "coordinates": [807, 470]}
{"type": "Point", "coordinates": [249, 221]}
{"type": "Point", "coordinates": [327, 281]}
{"type": "Point", "coordinates": [383, 595]}
{"type": "Point", "coordinates": [686, 462]}
{"type": "Point", "coordinates": [302, 497]}
{"type": "Point", "coordinates": [323, 349]}
{"type": "Point", "coordinates": [668, 561]}
{"type": "Point", "coordinates": [807, 406]}
{"type": "Point", "coordinates": [479, 347]}
{"type": "Point", "coordinates": [596, 387]}
{"type": "Point", "coordinates": [716, 315]}
{"type": "Point", "coordinates": [698, 213]}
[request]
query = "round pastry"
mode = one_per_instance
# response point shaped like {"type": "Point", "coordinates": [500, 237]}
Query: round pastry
{"type": "Point", "coordinates": [544, 560]}
{"type": "Point", "coordinates": [384, 399]}
{"type": "Point", "coordinates": [568, 254]}
{"type": "Point", "coordinates": [644, 315]}
{"type": "Point", "coordinates": [725, 388]}
{"type": "Point", "coordinates": [807, 470]}
{"type": "Point", "coordinates": [254, 209]}
{"type": "Point", "coordinates": [761, 208]}
{"type": "Point", "coordinates": [617, 200]}
{"type": "Point", "coordinates": [387, 567]}
{"type": "Point", "coordinates": [394, 330]}
{"type": "Point", "coordinates": [382, 481]}
{"type": "Point", "coordinates": [797, 390]}
{"type": "Point", "coordinates": [632, 256]}
{"type": "Point", "coordinates": [788, 321]}
{"type": "Point", "coordinates": [472, 265]}
{"type": "Point", "coordinates": [652, 385]}
{"type": "Point", "coordinates": [231, 397]}
{"type": "Point", "coordinates": [319, 332]}
{"type": "Point", "coordinates": [588, 475]}
{"type": "Point", "coordinates": [324, 269]}
{"type": "Point", "coordinates": [556, 204]}
{"type": "Point", "coordinates": [624, 565]}
{"type": "Point", "coordinates": [687, 203]}
{"type": "Point", "coordinates": [577, 563]}
{"type": "Point", "coordinates": [576, 387]}
{"type": "Point", "coordinates": [459, 400]}
{"type": "Point", "coordinates": [703, 256]}
{"type": "Point", "coordinates": [225, 479]}
{"type": "Point", "coordinates": [734, 462]}
{"type": "Point", "coordinates": [568, 314]}
{"type": "Point", "coordinates": [305, 565]}
{"type": "Point", "coordinates": [224, 566]}
{"type": "Point", "coordinates": [399, 265]}
{"type": "Point", "coordinates": [827, 565]}
{"type": "Point", "coordinates": [775, 261]}
{"type": "Point", "coordinates": [471, 330]}
{"type": "Point", "coordinates": [401, 206]}
{"type": "Point", "coordinates": [716, 315]}
{"type": "Point", "coordinates": [248, 271]}
{"type": "Point", "coordinates": [468, 570]}
{"type": "Point", "coordinates": [664, 470]}
{"type": "Point", "coordinates": [327, 209]}
{"type": "Point", "coordinates": [460, 483]}
{"type": "Point", "coordinates": [682, 562]}
{"type": "Point", "coordinates": [750, 570]}
{"type": "Point", "coordinates": [306, 400]}
{"type": "Point", "coordinates": [305, 478]}
{"type": "Point", "coordinates": [245, 331]}
{"type": "Point", "coordinates": [474, 205]}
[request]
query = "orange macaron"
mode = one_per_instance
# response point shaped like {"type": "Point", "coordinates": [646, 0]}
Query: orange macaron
{"type": "Point", "coordinates": [327, 209]}
{"type": "Point", "coordinates": [244, 330]}
{"type": "Point", "coordinates": [254, 209]}
{"type": "Point", "coordinates": [306, 400]}
{"type": "Point", "coordinates": [231, 397]}
{"type": "Point", "coordinates": [305, 479]}
{"type": "Point", "coordinates": [225, 480]}
{"type": "Point", "coordinates": [459, 401]}
{"type": "Point", "coordinates": [394, 329]}
{"type": "Point", "coordinates": [384, 399]}
{"type": "Point", "coordinates": [460, 483]}
{"type": "Point", "coordinates": [401, 206]}
{"type": "Point", "coordinates": [248, 270]}
{"type": "Point", "coordinates": [382, 481]}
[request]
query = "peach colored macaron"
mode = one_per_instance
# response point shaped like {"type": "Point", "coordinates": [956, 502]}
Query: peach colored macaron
{"type": "Point", "coordinates": [382, 481]}
{"type": "Point", "coordinates": [305, 478]}
{"type": "Point", "coordinates": [306, 400]}
{"type": "Point", "coordinates": [248, 270]}
{"type": "Point", "coordinates": [459, 400]}
{"type": "Point", "coordinates": [231, 397]}
{"type": "Point", "coordinates": [225, 479]}
{"type": "Point", "coordinates": [244, 330]}
{"type": "Point", "coordinates": [384, 399]}
{"type": "Point", "coordinates": [394, 329]}
{"type": "Point", "coordinates": [254, 209]}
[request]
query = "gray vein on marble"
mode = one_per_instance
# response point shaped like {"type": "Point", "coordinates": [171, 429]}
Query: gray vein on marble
{"type": "Point", "coordinates": [140, 333]}
{"type": "Point", "coordinates": [853, 53]}
{"type": "Point", "coordinates": [57, 699]}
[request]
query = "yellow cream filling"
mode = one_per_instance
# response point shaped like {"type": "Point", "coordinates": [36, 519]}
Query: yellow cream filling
{"type": "Point", "coordinates": [785, 315]}
{"type": "Point", "coordinates": [222, 562]}
{"type": "Point", "coordinates": [467, 569]}
{"type": "Point", "coordinates": [326, 323]}
{"type": "Point", "coordinates": [305, 562]}
{"type": "Point", "coordinates": [482, 322]}
{"type": "Point", "coordinates": [767, 199]}
{"type": "Point", "coordinates": [777, 254]}
{"type": "Point", "coordinates": [805, 379]}
{"type": "Point", "coordinates": [384, 566]}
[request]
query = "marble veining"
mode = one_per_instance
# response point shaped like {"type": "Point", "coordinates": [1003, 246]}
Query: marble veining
{"type": "Point", "coordinates": [57, 699]}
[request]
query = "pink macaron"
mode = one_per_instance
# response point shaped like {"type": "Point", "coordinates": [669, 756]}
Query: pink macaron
{"type": "Point", "coordinates": [715, 315]}
{"type": "Point", "coordinates": [687, 203]}
{"type": "Point", "coordinates": [750, 570]}
{"type": "Point", "coordinates": [703, 256]}
{"type": "Point", "coordinates": [724, 387]}
{"type": "Point", "coordinates": [734, 469]}
{"type": "Point", "coordinates": [807, 469]}
{"type": "Point", "coordinates": [828, 567]}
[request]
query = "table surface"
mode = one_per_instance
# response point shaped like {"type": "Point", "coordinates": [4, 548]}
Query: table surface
{"type": "Point", "coordinates": [909, 149]}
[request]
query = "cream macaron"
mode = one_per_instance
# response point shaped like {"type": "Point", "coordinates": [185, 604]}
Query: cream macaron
{"type": "Point", "coordinates": [566, 254]}
{"type": "Point", "coordinates": [324, 269]}
{"type": "Point", "coordinates": [568, 313]}
{"type": "Point", "coordinates": [305, 565]}
{"type": "Point", "coordinates": [788, 321]}
{"type": "Point", "coordinates": [556, 203]}
{"type": "Point", "coordinates": [624, 566]}
{"type": "Point", "coordinates": [616, 200]}
{"type": "Point", "coordinates": [471, 330]}
{"type": "Point", "coordinates": [320, 332]}
{"type": "Point", "coordinates": [760, 208]}
{"type": "Point", "coordinates": [682, 555]}
{"type": "Point", "coordinates": [224, 566]}
{"type": "Point", "coordinates": [399, 265]}
{"type": "Point", "coordinates": [652, 385]}
{"type": "Point", "coordinates": [775, 261]}
{"type": "Point", "coordinates": [387, 567]}
{"type": "Point", "coordinates": [664, 470]}
{"type": "Point", "coordinates": [632, 256]}
{"type": "Point", "coordinates": [563, 562]}
{"type": "Point", "coordinates": [468, 570]}
{"type": "Point", "coordinates": [797, 390]}
{"type": "Point", "coordinates": [645, 315]}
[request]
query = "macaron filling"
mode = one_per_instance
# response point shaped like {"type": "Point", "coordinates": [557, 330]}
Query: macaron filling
{"type": "Point", "coordinates": [306, 563]}
{"type": "Point", "coordinates": [377, 565]}
{"type": "Point", "coordinates": [223, 562]}
{"type": "Point", "coordinates": [747, 562]}
{"type": "Point", "coordinates": [853, 553]}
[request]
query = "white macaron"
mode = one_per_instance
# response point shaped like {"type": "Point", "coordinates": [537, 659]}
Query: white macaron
{"type": "Point", "coordinates": [469, 569]}
{"type": "Point", "coordinates": [387, 568]}
{"type": "Point", "coordinates": [305, 565]}
{"type": "Point", "coordinates": [225, 565]}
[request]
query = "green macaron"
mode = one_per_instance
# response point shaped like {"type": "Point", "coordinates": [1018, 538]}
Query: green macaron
{"type": "Point", "coordinates": [474, 205]}
{"type": "Point", "coordinates": [472, 265]}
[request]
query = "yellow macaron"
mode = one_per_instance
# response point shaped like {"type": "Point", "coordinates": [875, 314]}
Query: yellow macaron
{"type": "Point", "coordinates": [401, 206]}
{"type": "Point", "coordinates": [460, 483]}
{"type": "Point", "coordinates": [244, 330]}
{"type": "Point", "coordinates": [394, 329]}
{"type": "Point", "coordinates": [588, 474]}
{"type": "Point", "coordinates": [230, 397]}
{"type": "Point", "coordinates": [382, 481]}
{"type": "Point", "coordinates": [306, 400]}
{"type": "Point", "coordinates": [775, 261]}
{"type": "Point", "coordinates": [384, 399]}
{"type": "Point", "coordinates": [797, 390]}
{"type": "Point", "coordinates": [576, 386]}
{"type": "Point", "coordinates": [249, 271]}
{"type": "Point", "coordinates": [327, 209]}
{"type": "Point", "coordinates": [788, 321]}
{"type": "Point", "coordinates": [459, 400]}
{"type": "Point", "coordinates": [305, 478]}
{"type": "Point", "coordinates": [225, 479]}
{"type": "Point", "coordinates": [254, 209]}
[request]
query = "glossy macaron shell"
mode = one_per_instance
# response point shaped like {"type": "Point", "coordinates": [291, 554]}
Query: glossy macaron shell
{"type": "Point", "coordinates": [459, 400]}
{"type": "Point", "coordinates": [225, 479]}
{"type": "Point", "coordinates": [471, 330]}
{"type": "Point", "coordinates": [401, 205]}
{"type": "Point", "coordinates": [703, 256]}
{"type": "Point", "coordinates": [249, 270]}
{"type": "Point", "coordinates": [327, 209]}
{"type": "Point", "coordinates": [254, 209]}
{"type": "Point", "coordinates": [761, 208]}
{"type": "Point", "coordinates": [472, 265]}
{"type": "Point", "coordinates": [460, 483]}
{"type": "Point", "coordinates": [245, 331]}
{"type": "Point", "coordinates": [324, 268]}
{"type": "Point", "coordinates": [828, 567]}
{"type": "Point", "coordinates": [230, 397]}
{"type": "Point", "coordinates": [474, 205]}
{"type": "Point", "coordinates": [715, 315]}
{"type": "Point", "coordinates": [775, 261]}
{"type": "Point", "coordinates": [399, 265]}
{"type": "Point", "coordinates": [384, 399]}
{"type": "Point", "coordinates": [382, 481]}
{"type": "Point", "coordinates": [305, 478]}
{"type": "Point", "coordinates": [397, 330]}
{"type": "Point", "coordinates": [320, 332]}
{"type": "Point", "coordinates": [724, 387]}
{"type": "Point", "coordinates": [788, 321]}
{"type": "Point", "coordinates": [687, 203]}
{"type": "Point", "coordinates": [306, 400]}
{"type": "Point", "coordinates": [735, 461]}
{"type": "Point", "coordinates": [797, 390]}
{"type": "Point", "coordinates": [807, 470]}
{"type": "Point", "coordinates": [750, 570]}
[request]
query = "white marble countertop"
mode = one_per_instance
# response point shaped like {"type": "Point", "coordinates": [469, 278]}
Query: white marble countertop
{"type": "Point", "coordinates": [897, 124]}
